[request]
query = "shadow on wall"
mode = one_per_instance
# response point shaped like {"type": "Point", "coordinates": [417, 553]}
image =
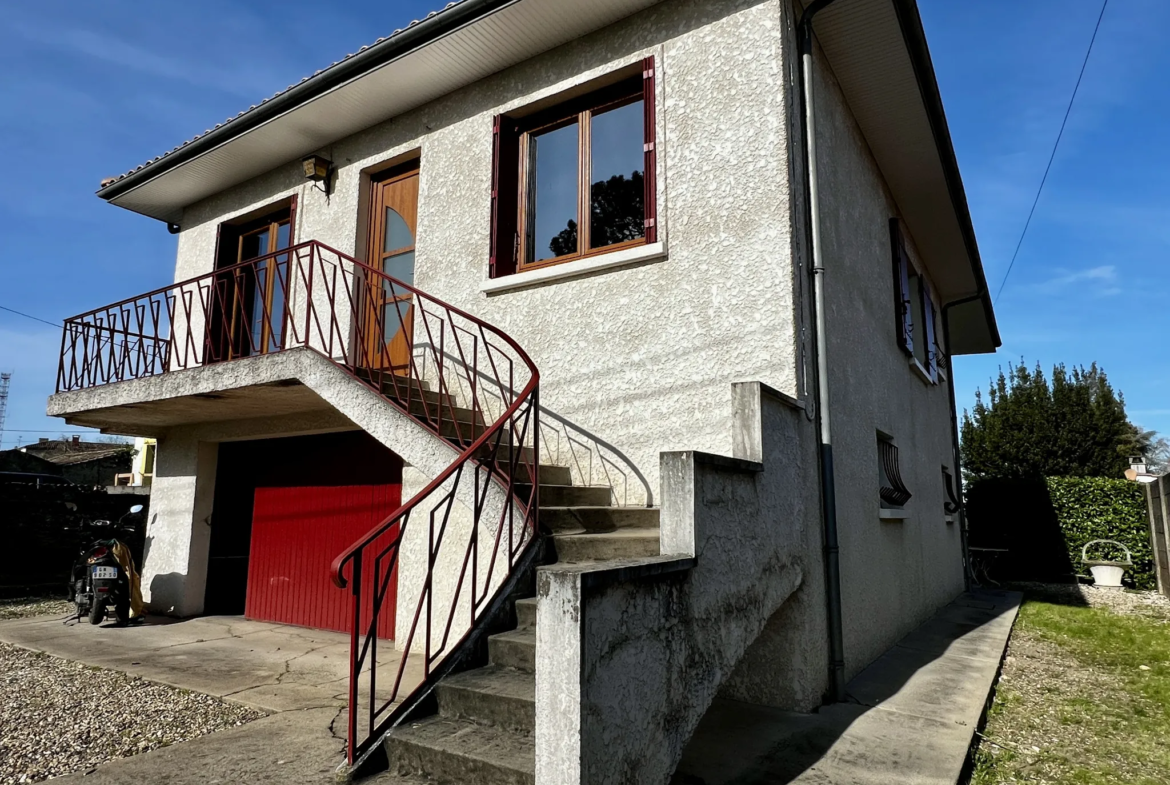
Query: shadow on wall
{"type": "Point", "coordinates": [745, 744]}
{"type": "Point", "coordinates": [563, 442]}
{"type": "Point", "coordinates": [166, 590]}
{"type": "Point", "coordinates": [1014, 533]}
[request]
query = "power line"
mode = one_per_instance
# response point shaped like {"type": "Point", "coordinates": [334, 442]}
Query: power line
{"type": "Point", "coordinates": [1063, 122]}
{"type": "Point", "coordinates": [29, 316]}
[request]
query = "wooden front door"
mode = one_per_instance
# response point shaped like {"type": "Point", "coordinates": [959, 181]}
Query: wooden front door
{"type": "Point", "coordinates": [393, 225]}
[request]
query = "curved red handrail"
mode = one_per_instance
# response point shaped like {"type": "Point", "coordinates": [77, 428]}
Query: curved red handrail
{"type": "Point", "coordinates": [318, 298]}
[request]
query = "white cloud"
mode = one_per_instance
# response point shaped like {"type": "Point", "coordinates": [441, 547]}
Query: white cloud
{"type": "Point", "coordinates": [1100, 281]}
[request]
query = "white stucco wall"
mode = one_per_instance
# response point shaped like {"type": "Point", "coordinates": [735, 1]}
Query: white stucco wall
{"type": "Point", "coordinates": [641, 357]}
{"type": "Point", "coordinates": [894, 573]}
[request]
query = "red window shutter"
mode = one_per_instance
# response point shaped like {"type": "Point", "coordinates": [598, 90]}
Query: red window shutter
{"type": "Point", "coordinates": [650, 176]}
{"type": "Point", "coordinates": [505, 195]}
{"type": "Point", "coordinates": [292, 220]}
{"type": "Point", "coordinates": [928, 333]}
{"type": "Point", "coordinates": [903, 319]}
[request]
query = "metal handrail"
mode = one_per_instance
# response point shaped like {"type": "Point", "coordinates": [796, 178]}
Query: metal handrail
{"type": "Point", "coordinates": [313, 296]}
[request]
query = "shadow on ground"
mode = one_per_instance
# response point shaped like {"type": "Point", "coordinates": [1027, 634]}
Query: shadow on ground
{"type": "Point", "coordinates": [911, 715]}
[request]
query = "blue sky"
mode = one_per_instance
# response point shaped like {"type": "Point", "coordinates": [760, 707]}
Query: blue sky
{"type": "Point", "coordinates": [93, 89]}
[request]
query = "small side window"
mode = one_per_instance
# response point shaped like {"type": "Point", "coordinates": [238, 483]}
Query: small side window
{"type": "Point", "coordinates": [893, 492]}
{"type": "Point", "coordinates": [951, 503]}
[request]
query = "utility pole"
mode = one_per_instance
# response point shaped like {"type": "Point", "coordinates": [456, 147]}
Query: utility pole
{"type": "Point", "coordinates": [5, 381]}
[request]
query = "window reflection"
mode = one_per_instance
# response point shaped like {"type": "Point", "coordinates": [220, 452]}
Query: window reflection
{"type": "Point", "coordinates": [552, 221]}
{"type": "Point", "coordinates": [616, 212]}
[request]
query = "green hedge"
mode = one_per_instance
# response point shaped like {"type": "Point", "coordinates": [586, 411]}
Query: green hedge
{"type": "Point", "coordinates": [1100, 508]}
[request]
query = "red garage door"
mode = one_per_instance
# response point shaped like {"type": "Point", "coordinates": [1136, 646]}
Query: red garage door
{"type": "Point", "coordinates": [296, 534]}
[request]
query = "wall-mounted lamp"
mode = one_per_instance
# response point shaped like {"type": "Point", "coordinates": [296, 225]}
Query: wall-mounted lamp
{"type": "Point", "coordinates": [317, 170]}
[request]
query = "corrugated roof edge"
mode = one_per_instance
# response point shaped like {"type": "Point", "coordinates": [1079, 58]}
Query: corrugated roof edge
{"type": "Point", "coordinates": [914, 36]}
{"type": "Point", "coordinates": [418, 33]}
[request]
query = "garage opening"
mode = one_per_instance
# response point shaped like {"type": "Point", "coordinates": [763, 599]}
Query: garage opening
{"type": "Point", "coordinates": [283, 509]}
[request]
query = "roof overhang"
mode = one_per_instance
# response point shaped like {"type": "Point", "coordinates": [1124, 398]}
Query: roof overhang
{"type": "Point", "coordinates": [457, 46]}
{"type": "Point", "coordinates": [877, 51]}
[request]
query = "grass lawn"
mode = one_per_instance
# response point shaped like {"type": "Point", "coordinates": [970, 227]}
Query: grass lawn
{"type": "Point", "coordinates": [1085, 693]}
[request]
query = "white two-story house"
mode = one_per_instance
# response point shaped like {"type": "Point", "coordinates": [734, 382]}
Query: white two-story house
{"type": "Point", "coordinates": [585, 361]}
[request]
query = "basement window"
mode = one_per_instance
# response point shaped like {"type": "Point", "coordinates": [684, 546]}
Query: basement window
{"type": "Point", "coordinates": [892, 491]}
{"type": "Point", "coordinates": [575, 179]}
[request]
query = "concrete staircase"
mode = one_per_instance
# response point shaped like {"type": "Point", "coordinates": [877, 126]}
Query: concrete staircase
{"type": "Point", "coordinates": [485, 727]}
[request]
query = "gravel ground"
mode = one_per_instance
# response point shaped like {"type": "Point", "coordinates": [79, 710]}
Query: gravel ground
{"type": "Point", "coordinates": [27, 607]}
{"type": "Point", "coordinates": [1124, 601]}
{"type": "Point", "coordinates": [58, 717]}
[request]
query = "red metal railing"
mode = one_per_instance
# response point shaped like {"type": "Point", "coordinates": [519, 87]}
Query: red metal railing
{"type": "Point", "coordinates": [464, 380]}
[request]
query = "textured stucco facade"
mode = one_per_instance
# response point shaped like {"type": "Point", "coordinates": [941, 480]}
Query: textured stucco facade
{"type": "Point", "coordinates": [637, 359]}
{"type": "Point", "coordinates": [895, 573]}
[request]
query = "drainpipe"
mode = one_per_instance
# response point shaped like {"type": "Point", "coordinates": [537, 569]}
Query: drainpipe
{"type": "Point", "coordinates": [967, 577]}
{"type": "Point", "coordinates": [825, 435]}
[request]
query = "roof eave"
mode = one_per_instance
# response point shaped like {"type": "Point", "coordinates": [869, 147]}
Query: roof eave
{"type": "Point", "coordinates": [915, 38]}
{"type": "Point", "coordinates": [420, 34]}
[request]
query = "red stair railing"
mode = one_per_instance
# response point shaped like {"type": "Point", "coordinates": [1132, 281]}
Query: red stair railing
{"type": "Point", "coordinates": [467, 382]}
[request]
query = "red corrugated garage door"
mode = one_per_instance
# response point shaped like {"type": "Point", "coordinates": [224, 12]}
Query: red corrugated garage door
{"type": "Point", "coordinates": [296, 534]}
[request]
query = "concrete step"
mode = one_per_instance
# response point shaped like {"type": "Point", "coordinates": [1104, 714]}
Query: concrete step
{"type": "Point", "coordinates": [389, 381]}
{"type": "Point", "coordinates": [459, 752]}
{"type": "Point", "coordinates": [567, 520]}
{"type": "Point", "coordinates": [572, 495]}
{"type": "Point", "coordinates": [602, 546]}
{"type": "Point", "coordinates": [553, 475]}
{"type": "Point", "coordinates": [526, 613]}
{"type": "Point", "coordinates": [514, 649]}
{"type": "Point", "coordinates": [504, 697]}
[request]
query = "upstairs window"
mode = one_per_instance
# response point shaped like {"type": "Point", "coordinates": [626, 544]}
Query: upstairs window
{"type": "Point", "coordinates": [914, 311]}
{"type": "Point", "coordinates": [575, 179]}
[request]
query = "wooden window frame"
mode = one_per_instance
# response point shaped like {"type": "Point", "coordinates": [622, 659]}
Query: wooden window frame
{"type": "Point", "coordinates": [512, 172]}
{"type": "Point", "coordinates": [226, 341]}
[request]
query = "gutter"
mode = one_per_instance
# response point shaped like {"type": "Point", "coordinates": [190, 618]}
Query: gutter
{"type": "Point", "coordinates": [820, 360]}
{"type": "Point", "coordinates": [427, 31]}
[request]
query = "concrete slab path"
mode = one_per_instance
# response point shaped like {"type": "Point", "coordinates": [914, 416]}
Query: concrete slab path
{"type": "Point", "coordinates": [298, 675]}
{"type": "Point", "coordinates": [911, 718]}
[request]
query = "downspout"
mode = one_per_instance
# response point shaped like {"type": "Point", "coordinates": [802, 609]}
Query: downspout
{"type": "Point", "coordinates": [820, 351]}
{"type": "Point", "coordinates": [967, 577]}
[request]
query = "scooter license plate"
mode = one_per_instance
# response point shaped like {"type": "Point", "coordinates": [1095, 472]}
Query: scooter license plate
{"type": "Point", "coordinates": [105, 573]}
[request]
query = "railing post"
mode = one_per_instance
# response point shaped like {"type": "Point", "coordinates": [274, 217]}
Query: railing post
{"type": "Point", "coordinates": [355, 578]}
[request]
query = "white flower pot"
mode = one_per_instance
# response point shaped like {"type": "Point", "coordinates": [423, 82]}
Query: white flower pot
{"type": "Point", "coordinates": [1107, 576]}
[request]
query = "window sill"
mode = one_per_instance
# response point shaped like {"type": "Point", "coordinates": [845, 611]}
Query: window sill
{"type": "Point", "coordinates": [891, 514]}
{"type": "Point", "coordinates": [921, 371]}
{"type": "Point", "coordinates": [624, 258]}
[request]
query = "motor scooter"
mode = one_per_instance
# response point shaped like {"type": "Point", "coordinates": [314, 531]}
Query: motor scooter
{"type": "Point", "coordinates": [98, 581]}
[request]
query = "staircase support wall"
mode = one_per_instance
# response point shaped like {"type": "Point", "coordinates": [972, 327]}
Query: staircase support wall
{"type": "Point", "coordinates": [630, 656]}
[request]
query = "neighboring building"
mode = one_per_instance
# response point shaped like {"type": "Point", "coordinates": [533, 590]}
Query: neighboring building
{"type": "Point", "coordinates": [594, 216]}
{"type": "Point", "coordinates": [141, 472]}
{"type": "Point", "coordinates": [93, 464]}
{"type": "Point", "coordinates": [16, 466]}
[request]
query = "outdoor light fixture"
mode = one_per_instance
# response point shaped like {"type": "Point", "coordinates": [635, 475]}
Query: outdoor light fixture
{"type": "Point", "coordinates": [317, 170]}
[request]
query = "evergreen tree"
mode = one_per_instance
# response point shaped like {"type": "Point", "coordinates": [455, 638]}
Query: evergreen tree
{"type": "Point", "coordinates": [1074, 427]}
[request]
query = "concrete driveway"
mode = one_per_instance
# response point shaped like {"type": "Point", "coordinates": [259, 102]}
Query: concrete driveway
{"type": "Point", "coordinates": [300, 676]}
{"type": "Point", "coordinates": [273, 667]}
